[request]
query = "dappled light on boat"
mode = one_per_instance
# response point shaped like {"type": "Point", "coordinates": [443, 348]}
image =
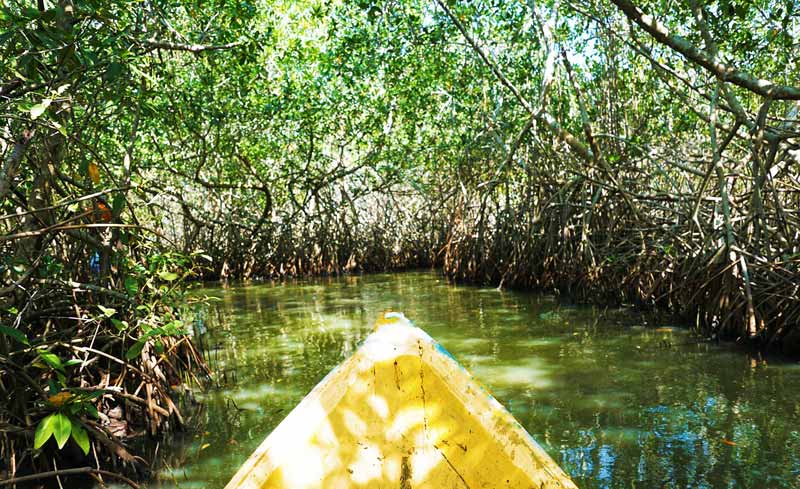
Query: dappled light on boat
{"type": "Point", "coordinates": [400, 413]}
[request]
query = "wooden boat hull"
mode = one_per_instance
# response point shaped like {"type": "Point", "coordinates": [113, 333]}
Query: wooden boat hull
{"type": "Point", "coordinates": [400, 413]}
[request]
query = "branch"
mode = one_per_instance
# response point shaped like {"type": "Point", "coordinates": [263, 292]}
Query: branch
{"type": "Point", "coordinates": [66, 202]}
{"type": "Point", "coordinates": [81, 287]}
{"type": "Point", "coordinates": [648, 152]}
{"type": "Point", "coordinates": [577, 146]}
{"type": "Point", "coordinates": [20, 371]}
{"type": "Point", "coordinates": [112, 391]}
{"type": "Point", "coordinates": [12, 162]}
{"type": "Point", "coordinates": [711, 47]}
{"type": "Point", "coordinates": [518, 141]}
{"type": "Point", "coordinates": [9, 86]}
{"type": "Point", "coordinates": [63, 472]}
{"type": "Point", "coordinates": [70, 227]}
{"type": "Point", "coordinates": [152, 44]}
{"type": "Point", "coordinates": [11, 288]}
{"type": "Point", "coordinates": [661, 33]}
{"type": "Point", "coordinates": [540, 115]}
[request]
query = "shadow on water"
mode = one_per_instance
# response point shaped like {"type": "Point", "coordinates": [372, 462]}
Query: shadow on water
{"type": "Point", "coordinates": [616, 406]}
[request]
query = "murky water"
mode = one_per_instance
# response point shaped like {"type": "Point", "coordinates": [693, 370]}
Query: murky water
{"type": "Point", "coordinates": [616, 406]}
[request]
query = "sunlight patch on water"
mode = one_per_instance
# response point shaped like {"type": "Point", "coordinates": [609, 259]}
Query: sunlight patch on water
{"type": "Point", "coordinates": [472, 360]}
{"type": "Point", "coordinates": [528, 372]}
{"type": "Point", "coordinates": [333, 323]}
{"type": "Point", "coordinates": [460, 344]}
{"type": "Point", "coordinates": [541, 342]}
{"type": "Point", "coordinates": [604, 402]}
{"type": "Point", "coordinates": [615, 405]}
{"type": "Point", "coordinates": [259, 392]}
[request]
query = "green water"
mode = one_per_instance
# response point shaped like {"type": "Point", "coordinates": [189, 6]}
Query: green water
{"type": "Point", "coordinates": [616, 405]}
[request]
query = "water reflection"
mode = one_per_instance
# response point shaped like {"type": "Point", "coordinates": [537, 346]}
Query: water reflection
{"type": "Point", "coordinates": [616, 406]}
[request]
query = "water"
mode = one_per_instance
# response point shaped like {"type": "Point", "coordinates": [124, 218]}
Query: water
{"type": "Point", "coordinates": [617, 406]}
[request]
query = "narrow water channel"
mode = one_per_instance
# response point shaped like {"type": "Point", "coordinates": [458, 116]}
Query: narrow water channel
{"type": "Point", "coordinates": [617, 406]}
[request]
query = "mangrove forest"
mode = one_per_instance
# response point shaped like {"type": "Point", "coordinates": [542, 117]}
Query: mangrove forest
{"type": "Point", "coordinates": [593, 204]}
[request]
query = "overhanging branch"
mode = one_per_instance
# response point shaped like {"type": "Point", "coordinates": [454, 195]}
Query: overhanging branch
{"type": "Point", "coordinates": [661, 33]}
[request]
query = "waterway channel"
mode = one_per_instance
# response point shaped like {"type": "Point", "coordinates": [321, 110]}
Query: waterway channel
{"type": "Point", "coordinates": [617, 402]}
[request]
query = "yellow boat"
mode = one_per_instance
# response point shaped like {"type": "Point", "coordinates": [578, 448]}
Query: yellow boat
{"type": "Point", "coordinates": [400, 413]}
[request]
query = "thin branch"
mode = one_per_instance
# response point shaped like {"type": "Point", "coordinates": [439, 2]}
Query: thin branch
{"type": "Point", "coordinates": [80, 287]}
{"type": "Point", "coordinates": [67, 202]}
{"type": "Point", "coordinates": [63, 472]}
{"type": "Point", "coordinates": [540, 115]}
{"type": "Point", "coordinates": [581, 149]}
{"type": "Point", "coordinates": [12, 162]}
{"type": "Point", "coordinates": [153, 44]}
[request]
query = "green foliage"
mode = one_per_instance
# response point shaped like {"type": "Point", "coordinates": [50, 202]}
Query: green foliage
{"type": "Point", "coordinates": [173, 328]}
{"type": "Point", "coordinates": [65, 422]}
{"type": "Point", "coordinates": [16, 334]}
{"type": "Point", "coordinates": [44, 431]}
{"type": "Point", "coordinates": [80, 436]}
{"type": "Point", "coordinates": [144, 145]}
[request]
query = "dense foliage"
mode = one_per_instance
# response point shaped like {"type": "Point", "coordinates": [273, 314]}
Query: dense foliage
{"type": "Point", "coordinates": [580, 146]}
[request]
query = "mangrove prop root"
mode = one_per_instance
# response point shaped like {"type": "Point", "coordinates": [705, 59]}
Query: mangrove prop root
{"type": "Point", "coordinates": [67, 472]}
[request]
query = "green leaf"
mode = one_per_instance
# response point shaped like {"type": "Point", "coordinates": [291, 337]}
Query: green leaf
{"type": "Point", "coordinates": [120, 325]}
{"type": "Point", "coordinates": [113, 71]}
{"type": "Point", "coordinates": [60, 128]}
{"type": "Point", "coordinates": [51, 359]}
{"type": "Point", "coordinates": [72, 362]}
{"type": "Point", "coordinates": [62, 427]}
{"type": "Point", "coordinates": [43, 431]}
{"type": "Point", "coordinates": [168, 276]}
{"type": "Point", "coordinates": [39, 108]}
{"type": "Point", "coordinates": [16, 334]}
{"type": "Point", "coordinates": [174, 328]}
{"type": "Point", "coordinates": [117, 204]}
{"type": "Point", "coordinates": [80, 436]}
{"type": "Point", "coordinates": [92, 410]}
{"type": "Point", "coordinates": [107, 311]}
{"type": "Point", "coordinates": [136, 349]}
{"type": "Point", "coordinates": [131, 285]}
{"type": "Point", "coordinates": [93, 395]}
{"type": "Point", "coordinates": [31, 12]}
